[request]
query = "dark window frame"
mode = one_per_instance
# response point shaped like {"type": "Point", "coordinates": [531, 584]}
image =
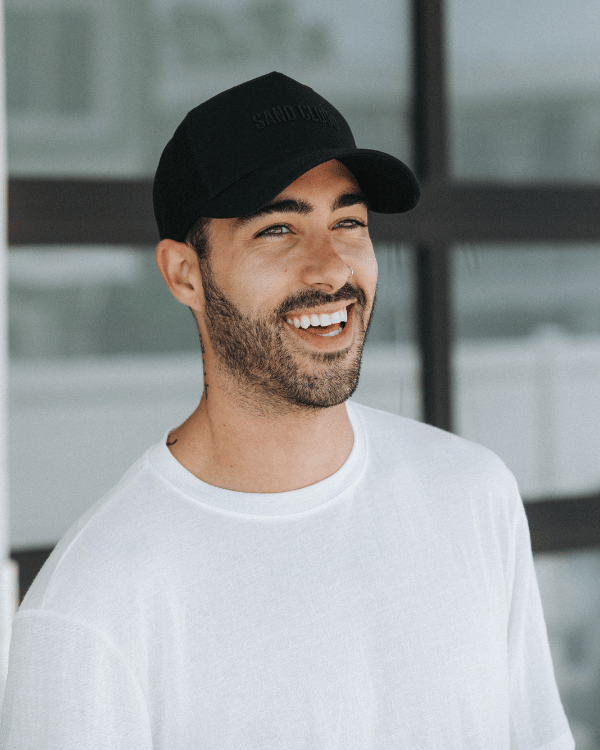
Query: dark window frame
{"type": "Point", "coordinates": [119, 211]}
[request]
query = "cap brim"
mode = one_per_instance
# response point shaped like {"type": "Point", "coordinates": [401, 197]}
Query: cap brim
{"type": "Point", "coordinates": [388, 183]}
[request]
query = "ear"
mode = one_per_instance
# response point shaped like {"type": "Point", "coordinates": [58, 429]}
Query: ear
{"type": "Point", "coordinates": [178, 265]}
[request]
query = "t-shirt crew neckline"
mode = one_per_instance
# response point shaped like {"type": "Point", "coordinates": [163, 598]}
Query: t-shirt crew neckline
{"type": "Point", "coordinates": [265, 504]}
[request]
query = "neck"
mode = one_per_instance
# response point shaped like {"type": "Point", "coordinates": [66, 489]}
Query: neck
{"type": "Point", "coordinates": [237, 445]}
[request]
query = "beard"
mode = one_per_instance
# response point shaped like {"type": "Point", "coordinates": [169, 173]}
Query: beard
{"type": "Point", "coordinates": [256, 354]}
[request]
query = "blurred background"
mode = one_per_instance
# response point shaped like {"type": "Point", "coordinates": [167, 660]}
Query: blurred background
{"type": "Point", "coordinates": [488, 318]}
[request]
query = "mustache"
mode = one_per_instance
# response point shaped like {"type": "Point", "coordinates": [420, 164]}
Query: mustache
{"type": "Point", "coordinates": [314, 298]}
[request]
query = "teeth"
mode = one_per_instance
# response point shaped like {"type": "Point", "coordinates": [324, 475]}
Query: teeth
{"type": "Point", "coordinates": [331, 333]}
{"type": "Point", "coordinates": [323, 320]}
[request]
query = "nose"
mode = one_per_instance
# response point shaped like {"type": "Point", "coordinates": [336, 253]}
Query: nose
{"type": "Point", "coordinates": [324, 267]}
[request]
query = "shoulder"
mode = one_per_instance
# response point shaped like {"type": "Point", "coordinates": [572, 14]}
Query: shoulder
{"type": "Point", "coordinates": [107, 548]}
{"type": "Point", "coordinates": [434, 456]}
{"type": "Point", "coordinates": [450, 488]}
{"type": "Point", "coordinates": [421, 441]}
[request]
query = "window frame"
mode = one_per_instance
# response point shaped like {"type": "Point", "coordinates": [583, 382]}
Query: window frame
{"type": "Point", "coordinates": [119, 211]}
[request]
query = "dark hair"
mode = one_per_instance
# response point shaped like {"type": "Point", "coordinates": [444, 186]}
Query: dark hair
{"type": "Point", "coordinates": [197, 237]}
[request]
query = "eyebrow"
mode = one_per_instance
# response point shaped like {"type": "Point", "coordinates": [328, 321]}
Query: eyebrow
{"type": "Point", "coordinates": [350, 199]}
{"type": "Point", "coordinates": [292, 205]}
{"type": "Point", "coordinates": [288, 206]}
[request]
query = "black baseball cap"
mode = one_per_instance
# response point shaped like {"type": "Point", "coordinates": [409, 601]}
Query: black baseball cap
{"type": "Point", "coordinates": [235, 152]}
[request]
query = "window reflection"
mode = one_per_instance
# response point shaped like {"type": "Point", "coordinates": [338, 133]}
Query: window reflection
{"type": "Point", "coordinates": [571, 596]}
{"type": "Point", "coordinates": [525, 96]}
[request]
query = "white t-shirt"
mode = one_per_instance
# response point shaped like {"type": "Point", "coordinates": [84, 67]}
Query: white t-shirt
{"type": "Point", "coordinates": [391, 606]}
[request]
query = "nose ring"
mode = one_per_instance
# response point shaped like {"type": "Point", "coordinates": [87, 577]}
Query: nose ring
{"type": "Point", "coordinates": [351, 272]}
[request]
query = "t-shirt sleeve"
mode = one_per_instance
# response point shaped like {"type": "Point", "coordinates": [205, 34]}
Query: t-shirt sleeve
{"type": "Point", "coordinates": [537, 718]}
{"type": "Point", "coordinates": [69, 688]}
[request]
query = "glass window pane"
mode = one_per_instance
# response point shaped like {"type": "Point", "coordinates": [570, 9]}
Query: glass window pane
{"type": "Point", "coordinates": [104, 361]}
{"type": "Point", "coordinates": [389, 378]}
{"type": "Point", "coordinates": [527, 361]}
{"type": "Point", "coordinates": [98, 88]}
{"type": "Point", "coordinates": [569, 585]}
{"type": "Point", "coordinates": [527, 385]}
{"type": "Point", "coordinates": [106, 301]}
{"type": "Point", "coordinates": [92, 302]}
{"type": "Point", "coordinates": [95, 337]}
{"type": "Point", "coordinates": [524, 89]}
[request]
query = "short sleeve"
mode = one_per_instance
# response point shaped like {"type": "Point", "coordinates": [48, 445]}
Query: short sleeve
{"type": "Point", "coordinates": [68, 688]}
{"type": "Point", "coordinates": [537, 717]}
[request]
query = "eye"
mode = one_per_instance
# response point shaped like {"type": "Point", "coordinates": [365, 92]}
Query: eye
{"type": "Point", "coordinates": [350, 223]}
{"type": "Point", "coordinates": [274, 231]}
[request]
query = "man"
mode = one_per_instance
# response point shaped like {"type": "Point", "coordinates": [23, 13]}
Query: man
{"type": "Point", "coordinates": [286, 569]}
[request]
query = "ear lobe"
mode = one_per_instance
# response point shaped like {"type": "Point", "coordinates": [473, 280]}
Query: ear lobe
{"type": "Point", "coordinates": [178, 265]}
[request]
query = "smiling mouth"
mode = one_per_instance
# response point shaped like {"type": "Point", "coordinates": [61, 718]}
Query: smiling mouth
{"type": "Point", "coordinates": [323, 324]}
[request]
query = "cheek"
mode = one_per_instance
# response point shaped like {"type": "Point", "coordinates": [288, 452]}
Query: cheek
{"type": "Point", "coordinates": [375, 267]}
{"type": "Point", "coordinates": [370, 271]}
{"type": "Point", "coordinates": [256, 291]}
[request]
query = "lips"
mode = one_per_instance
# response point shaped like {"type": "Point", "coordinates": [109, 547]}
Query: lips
{"type": "Point", "coordinates": [323, 334]}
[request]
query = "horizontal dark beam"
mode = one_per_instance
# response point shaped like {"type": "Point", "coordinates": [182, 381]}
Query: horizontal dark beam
{"type": "Point", "coordinates": [80, 211]}
{"type": "Point", "coordinates": [483, 212]}
{"type": "Point", "coordinates": [106, 211]}
{"type": "Point", "coordinates": [564, 524]}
